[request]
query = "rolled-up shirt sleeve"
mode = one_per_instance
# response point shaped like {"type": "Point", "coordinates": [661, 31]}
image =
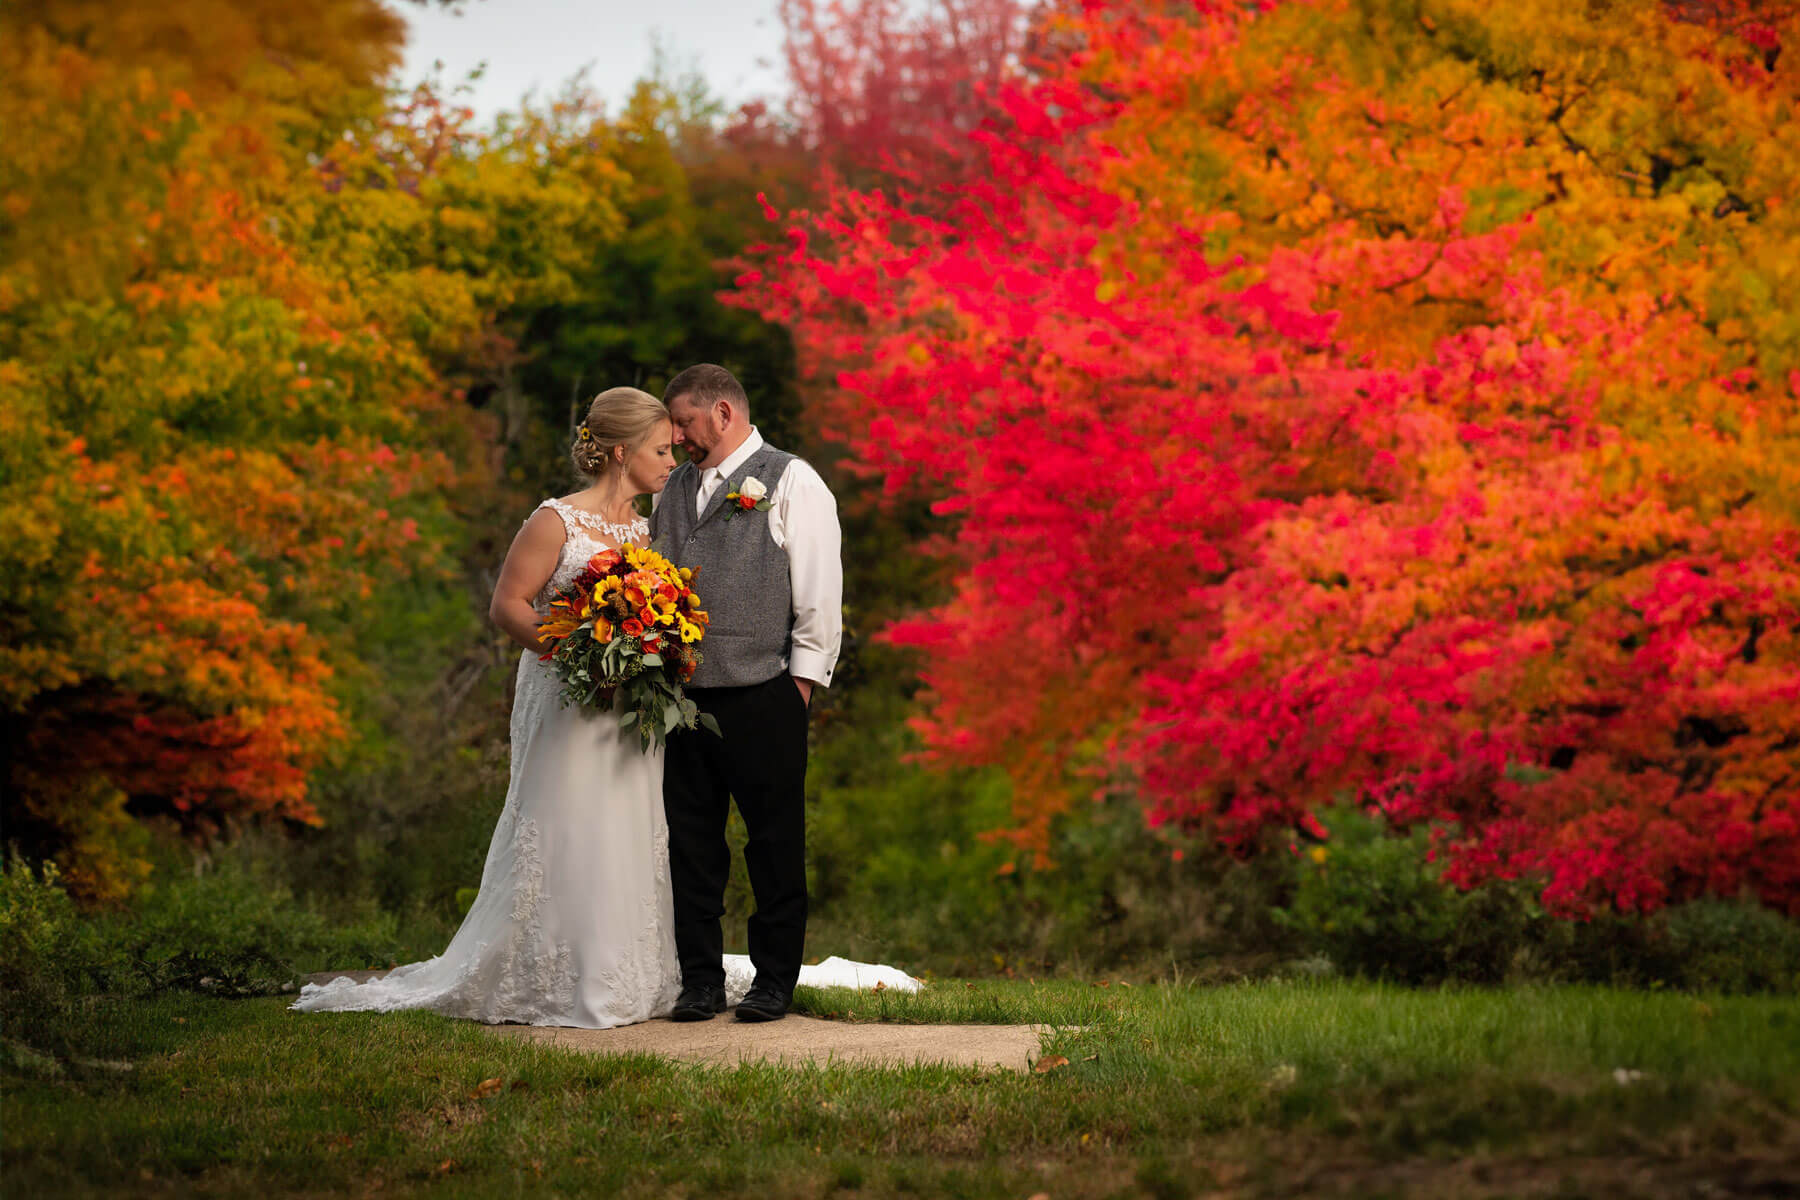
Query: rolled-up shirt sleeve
{"type": "Point", "coordinates": [805, 525]}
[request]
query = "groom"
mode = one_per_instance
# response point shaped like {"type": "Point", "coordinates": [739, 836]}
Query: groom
{"type": "Point", "coordinates": [760, 528]}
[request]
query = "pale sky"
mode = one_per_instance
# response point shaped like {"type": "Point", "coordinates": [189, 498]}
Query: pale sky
{"type": "Point", "coordinates": [734, 44]}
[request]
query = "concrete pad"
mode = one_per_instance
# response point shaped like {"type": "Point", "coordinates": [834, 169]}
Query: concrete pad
{"type": "Point", "coordinates": [725, 1041]}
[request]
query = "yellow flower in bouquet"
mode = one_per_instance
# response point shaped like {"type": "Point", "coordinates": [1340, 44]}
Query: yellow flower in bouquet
{"type": "Point", "coordinates": [630, 623]}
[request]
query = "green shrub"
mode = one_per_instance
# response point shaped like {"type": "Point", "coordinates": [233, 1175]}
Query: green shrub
{"type": "Point", "coordinates": [1708, 945]}
{"type": "Point", "coordinates": [68, 977]}
{"type": "Point", "coordinates": [228, 928]}
{"type": "Point", "coordinates": [408, 820]}
{"type": "Point", "coordinates": [1375, 905]}
{"type": "Point", "coordinates": [221, 928]}
{"type": "Point", "coordinates": [902, 870]}
{"type": "Point", "coordinates": [1733, 946]}
{"type": "Point", "coordinates": [50, 955]}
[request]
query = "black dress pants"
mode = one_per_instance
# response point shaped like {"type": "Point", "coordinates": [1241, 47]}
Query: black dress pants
{"type": "Point", "coordinates": [760, 761]}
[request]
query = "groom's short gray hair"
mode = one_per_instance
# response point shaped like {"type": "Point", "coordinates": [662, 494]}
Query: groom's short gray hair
{"type": "Point", "coordinates": [706, 384]}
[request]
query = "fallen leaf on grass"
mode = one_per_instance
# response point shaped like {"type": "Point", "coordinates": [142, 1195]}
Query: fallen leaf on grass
{"type": "Point", "coordinates": [1090, 1058]}
{"type": "Point", "coordinates": [447, 1166]}
{"type": "Point", "coordinates": [1050, 1063]}
{"type": "Point", "coordinates": [484, 1089]}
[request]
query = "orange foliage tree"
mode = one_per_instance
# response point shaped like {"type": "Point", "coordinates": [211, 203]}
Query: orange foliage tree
{"type": "Point", "coordinates": [237, 290]}
{"type": "Point", "coordinates": [1373, 399]}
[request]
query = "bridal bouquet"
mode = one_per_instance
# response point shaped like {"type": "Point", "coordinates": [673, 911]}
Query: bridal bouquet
{"type": "Point", "coordinates": [630, 621]}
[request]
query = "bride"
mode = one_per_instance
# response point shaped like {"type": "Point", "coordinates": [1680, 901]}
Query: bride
{"type": "Point", "coordinates": [574, 922]}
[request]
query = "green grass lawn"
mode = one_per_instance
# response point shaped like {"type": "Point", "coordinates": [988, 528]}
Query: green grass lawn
{"type": "Point", "coordinates": [1255, 1089]}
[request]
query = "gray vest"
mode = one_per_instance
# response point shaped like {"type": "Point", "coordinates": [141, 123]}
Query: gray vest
{"type": "Point", "coordinates": [739, 571]}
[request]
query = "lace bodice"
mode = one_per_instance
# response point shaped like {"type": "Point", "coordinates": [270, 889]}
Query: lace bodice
{"type": "Point", "coordinates": [584, 535]}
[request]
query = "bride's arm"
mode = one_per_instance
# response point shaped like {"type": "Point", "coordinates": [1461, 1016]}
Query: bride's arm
{"type": "Point", "coordinates": [528, 567]}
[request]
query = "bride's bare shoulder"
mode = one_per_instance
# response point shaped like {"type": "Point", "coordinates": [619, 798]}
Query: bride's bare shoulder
{"type": "Point", "coordinates": [545, 522]}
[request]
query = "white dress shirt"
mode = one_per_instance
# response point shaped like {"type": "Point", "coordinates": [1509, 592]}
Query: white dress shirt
{"type": "Point", "coordinates": [803, 521]}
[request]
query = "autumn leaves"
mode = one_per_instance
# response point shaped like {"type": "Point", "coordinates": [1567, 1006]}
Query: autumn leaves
{"type": "Point", "coordinates": [1331, 402]}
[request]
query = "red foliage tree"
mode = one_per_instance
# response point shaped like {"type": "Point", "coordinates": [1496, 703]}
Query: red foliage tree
{"type": "Point", "coordinates": [1330, 400]}
{"type": "Point", "coordinates": [880, 82]}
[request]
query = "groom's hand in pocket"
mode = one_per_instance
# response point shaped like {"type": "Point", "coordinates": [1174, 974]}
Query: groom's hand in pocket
{"type": "Point", "coordinates": [806, 687]}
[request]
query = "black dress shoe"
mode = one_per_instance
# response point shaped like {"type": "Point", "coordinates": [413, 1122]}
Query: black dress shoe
{"type": "Point", "coordinates": [699, 1003]}
{"type": "Point", "coordinates": [762, 1004]}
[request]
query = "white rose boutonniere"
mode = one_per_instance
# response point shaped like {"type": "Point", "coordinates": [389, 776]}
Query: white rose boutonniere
{"type": "Point", "coordinates": [752, 496]}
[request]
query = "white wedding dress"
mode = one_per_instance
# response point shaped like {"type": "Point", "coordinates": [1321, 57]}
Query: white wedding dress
{"type": "Point", "coordinates": [574, 922]}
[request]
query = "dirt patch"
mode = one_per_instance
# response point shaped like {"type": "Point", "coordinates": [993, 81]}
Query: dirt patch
{"type": "Point", "coordinates": [441, 1117]}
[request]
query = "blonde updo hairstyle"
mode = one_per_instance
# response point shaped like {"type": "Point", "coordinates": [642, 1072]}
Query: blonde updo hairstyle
{"type": "Point", "coordinates": [619, 418]}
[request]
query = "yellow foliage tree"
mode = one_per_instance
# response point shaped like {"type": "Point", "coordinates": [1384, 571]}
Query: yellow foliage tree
{"type": "Point", "coordinates": [238, 290]}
